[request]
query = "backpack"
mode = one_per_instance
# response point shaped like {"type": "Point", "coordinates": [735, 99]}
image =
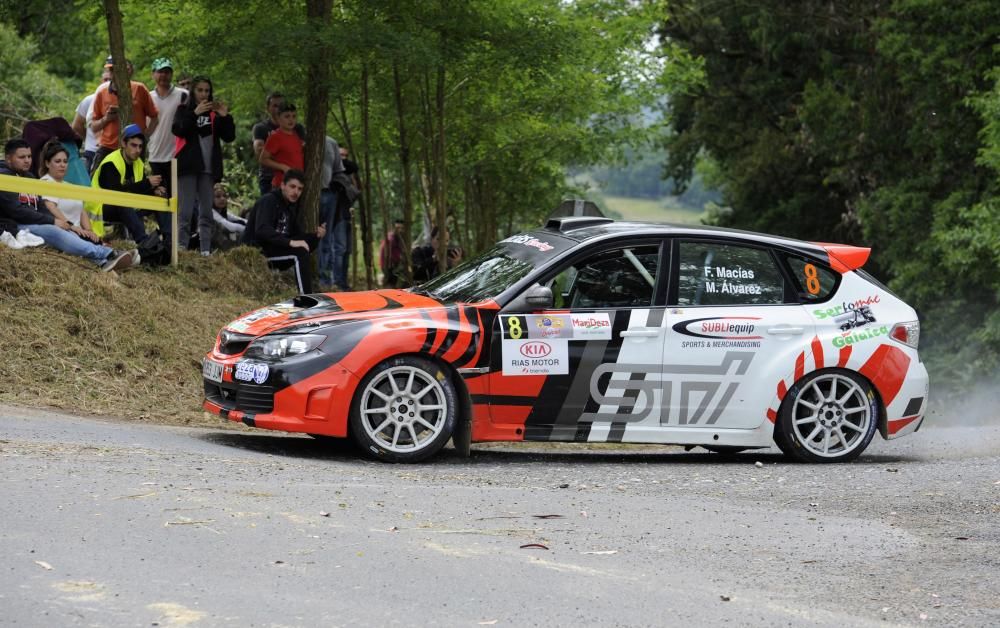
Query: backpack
{"type": "Point", "coordinates": [154, 250]}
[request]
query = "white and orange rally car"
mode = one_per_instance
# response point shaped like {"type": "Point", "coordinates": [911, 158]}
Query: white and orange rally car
{"type": "Point", "coordinates": [592, 330]}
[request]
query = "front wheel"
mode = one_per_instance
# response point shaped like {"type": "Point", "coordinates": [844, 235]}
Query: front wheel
{"type": "Point", "coordinates": [405, 410]}
{"type": "Point", "coordinates": [828, 416]}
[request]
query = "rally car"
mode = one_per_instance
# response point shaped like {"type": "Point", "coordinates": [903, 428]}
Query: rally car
{"type": "Point", "coordinates": [592, 330]}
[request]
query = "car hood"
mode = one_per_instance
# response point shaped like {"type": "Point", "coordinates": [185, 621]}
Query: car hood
{"type": "Point", "coordinates": [312, 310]}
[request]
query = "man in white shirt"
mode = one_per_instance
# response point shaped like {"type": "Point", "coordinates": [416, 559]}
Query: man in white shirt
{"type": "Point", "coordinates": [81, 125]}
{"type": "Point", "coordinates": [167, 98]}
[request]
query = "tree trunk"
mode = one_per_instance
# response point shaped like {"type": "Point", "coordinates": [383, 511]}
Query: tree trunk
{"type": "Point", "coordinates": [116, 42]}
{"type": "Point", "coordinates": [404, 164]}
{"type": "Point", "coordinates": [441, 187]}
{"type": "Point", "coordinates": [320, 52]}
{"type": "Point", "coordinates": [348, 141]}
{"type": "Point", "coordinates": [366, 196]}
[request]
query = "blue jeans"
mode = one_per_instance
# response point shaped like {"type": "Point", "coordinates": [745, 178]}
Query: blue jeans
{"type": "Point", "coordinates": [327, 209]}
{"type": "Point", "coordinates": [69, 242]}
{"type": "Point", "coordinates": [341, 252]}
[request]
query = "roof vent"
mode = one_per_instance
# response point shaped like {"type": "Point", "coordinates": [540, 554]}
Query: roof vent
{"type": "Point", "coordinates": [568, 223]}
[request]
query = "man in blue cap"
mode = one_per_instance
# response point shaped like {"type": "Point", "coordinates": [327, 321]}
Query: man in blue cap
{"type": "Point", "coordinates": [124, 171]}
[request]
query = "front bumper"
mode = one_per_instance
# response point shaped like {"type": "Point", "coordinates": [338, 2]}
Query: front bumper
{"type": "Point", "coordinates": [318, 403]}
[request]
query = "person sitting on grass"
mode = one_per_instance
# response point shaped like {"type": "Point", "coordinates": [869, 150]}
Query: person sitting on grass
{"type": "Point", "coordinates": [25, 212]}
{"type": "Point", "coordinates": [124, 171]}
{"type": "Point", "coordinates": [55, 159]}
{"type": "Point", "coordinates": [230, 226]}
{"type": "Point", "coordinates": [275, 225]}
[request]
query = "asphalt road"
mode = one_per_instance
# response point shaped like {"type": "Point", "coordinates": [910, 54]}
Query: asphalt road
{"type": "Point", "coordinates": [117, 524]}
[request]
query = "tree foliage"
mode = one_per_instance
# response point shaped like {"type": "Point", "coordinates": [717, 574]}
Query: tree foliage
{"type": "Point", "coordinates": [873, 123]}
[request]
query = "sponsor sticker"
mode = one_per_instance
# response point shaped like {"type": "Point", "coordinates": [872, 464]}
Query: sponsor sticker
{"type": "Point", "coordinates": [846, 307]}
{"type": "Point", "coordinates": [535, 357]}
{"type": "Point", "coordinates": [595, 326]}
{"type": "Point", "coordinates": [531, 241]}
{"type": "Point", "coordinates": [553, 326]}
{"type": "Point", "coordinates": [721, 331]}
{"type": "Point", "coordinates": [251, 372]}
{"type": "Point", "coordinates": [854, 337]}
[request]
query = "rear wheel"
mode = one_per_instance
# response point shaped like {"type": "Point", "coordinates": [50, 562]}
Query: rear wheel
{"type": "Point", "coordinates": [405, 410]}
{"type": "Point", "coordinates": [828, 416]}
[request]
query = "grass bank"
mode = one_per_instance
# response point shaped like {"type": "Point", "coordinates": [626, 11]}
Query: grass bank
{"type": "Point", "coordinates": [126, 345]}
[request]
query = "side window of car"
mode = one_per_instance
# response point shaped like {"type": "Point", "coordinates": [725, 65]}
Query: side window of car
{"type": "Point", "coordinates": [813, 281]}
{"type": "Point", "coordinates": [711, 273]}
{"type": "Point", "coordinates": [624, 277]}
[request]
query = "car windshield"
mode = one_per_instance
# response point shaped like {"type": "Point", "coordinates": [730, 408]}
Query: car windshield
{"type": "Point", "coordinates": [489, 274]}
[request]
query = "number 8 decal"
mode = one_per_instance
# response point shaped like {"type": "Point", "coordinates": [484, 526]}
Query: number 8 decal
{"type": "Point", "coordinates": [812, 279]}
{"type": "Point", "coordinates": [514, 327]}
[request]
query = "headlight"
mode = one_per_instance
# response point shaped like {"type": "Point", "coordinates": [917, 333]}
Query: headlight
{"type": "Point", "coordinates": [283, 346]}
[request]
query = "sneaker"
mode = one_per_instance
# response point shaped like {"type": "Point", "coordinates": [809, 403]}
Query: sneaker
{"type": "Point", "coordinates": [8, 238]}
{"type": "Point", "coordinates": [27, 238]}
{"type": "Point", "coordinates": [206, 254]}
{"type": "Point", "coordinates": [117, 261]}
{"type": "Point", "coordinates": [136, 258]}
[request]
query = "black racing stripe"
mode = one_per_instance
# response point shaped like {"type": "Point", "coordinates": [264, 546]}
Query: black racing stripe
{"type": "Point", "coordinates": [504, 400]}
{"type": "Point", "coordinates": [391, 304]}
{"type": "Point", "coordinates": [655, 318]}
{"type": "Point", "coordinates": [582, 431]}
{"type": "Point", "coordinates": [913, 407]}
{"type": "Point", "coordinates": [455, 323]}
{"type": "Point", "coordinates": [552, 409]}
{"type": "Point", "coordinates": [486, 318]}
{"type": "Point", "coordinates": [476, 338]}
{"type": "Point", "coordinates": [429, 332]}
{"type": "Point", "coordinates": [617, 430]}
{"type": "Point", "coordinates": [537, 432]}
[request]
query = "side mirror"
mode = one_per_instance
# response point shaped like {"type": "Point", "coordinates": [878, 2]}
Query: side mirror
{"type": "Point", "coordinates": [537, 297]}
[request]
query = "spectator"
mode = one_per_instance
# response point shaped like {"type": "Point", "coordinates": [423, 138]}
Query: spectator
{"type": "Point", "coordinates": [184, 82]}
{"type": "Point", "coordinates": [425, 258]}
{"type": "Point", "coordinates": [260, 132]}
{"type": "Point", "coordinates": [344, 183]}
{"type": "Point", "coordinates": [230, 226]}
{"type": "Point", "coordinates": [200, 126]}
{"type": "Point", "coordinates": [276, 225]}
{"type": "Point", "coordinates": [23, 212]}
{"type": "Point", "coordinates": [123, 170]}
{"type": "Point", "coordinates": [82, 127]}
{"type": "Point", "coordinates": [283, 149]}
{"type": "Point", "coordinates": [339, 193]}
{"type": "Point", "coordinates": [55, 160]}
{"type": "Point", "coordinates": [105, 113]}
{"type": "Point", "coordinates": [167, 98]}
{"type": "Point", "coordinates": [390, 256]}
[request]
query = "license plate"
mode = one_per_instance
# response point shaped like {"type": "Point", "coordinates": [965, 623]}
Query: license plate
{"type": "Point", "coordinates": [211, 370]}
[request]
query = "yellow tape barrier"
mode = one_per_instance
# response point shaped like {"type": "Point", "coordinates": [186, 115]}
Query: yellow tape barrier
{"type": "Point", "coordinates": [53, 189]}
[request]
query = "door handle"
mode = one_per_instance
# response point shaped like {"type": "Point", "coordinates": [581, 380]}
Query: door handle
{"type": "Point", "coordinates": [642, 332]}
{"type": "Point", "coordinates": [785, 330]}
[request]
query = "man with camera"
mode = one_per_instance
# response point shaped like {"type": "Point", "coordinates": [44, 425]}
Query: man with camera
{"type": "Point", "coordinates": [104, 121]}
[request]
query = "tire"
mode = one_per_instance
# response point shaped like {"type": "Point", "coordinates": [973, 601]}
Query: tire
{"type": "Point", "coordinates": [828, 416]}
{"type": "Point", "coordinates": [405, 410]}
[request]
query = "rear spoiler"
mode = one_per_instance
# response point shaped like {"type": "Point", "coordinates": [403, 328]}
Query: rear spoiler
{"type": "Point", "coordinates": [844, 257]}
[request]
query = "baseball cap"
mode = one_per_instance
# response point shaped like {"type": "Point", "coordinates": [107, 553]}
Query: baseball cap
{"type": "Point", "coordinates": [109, 62]}
{"type": "Point", "coordinates": [132, 130]}
{"type": "Point", "coordinates": [161, 63]}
